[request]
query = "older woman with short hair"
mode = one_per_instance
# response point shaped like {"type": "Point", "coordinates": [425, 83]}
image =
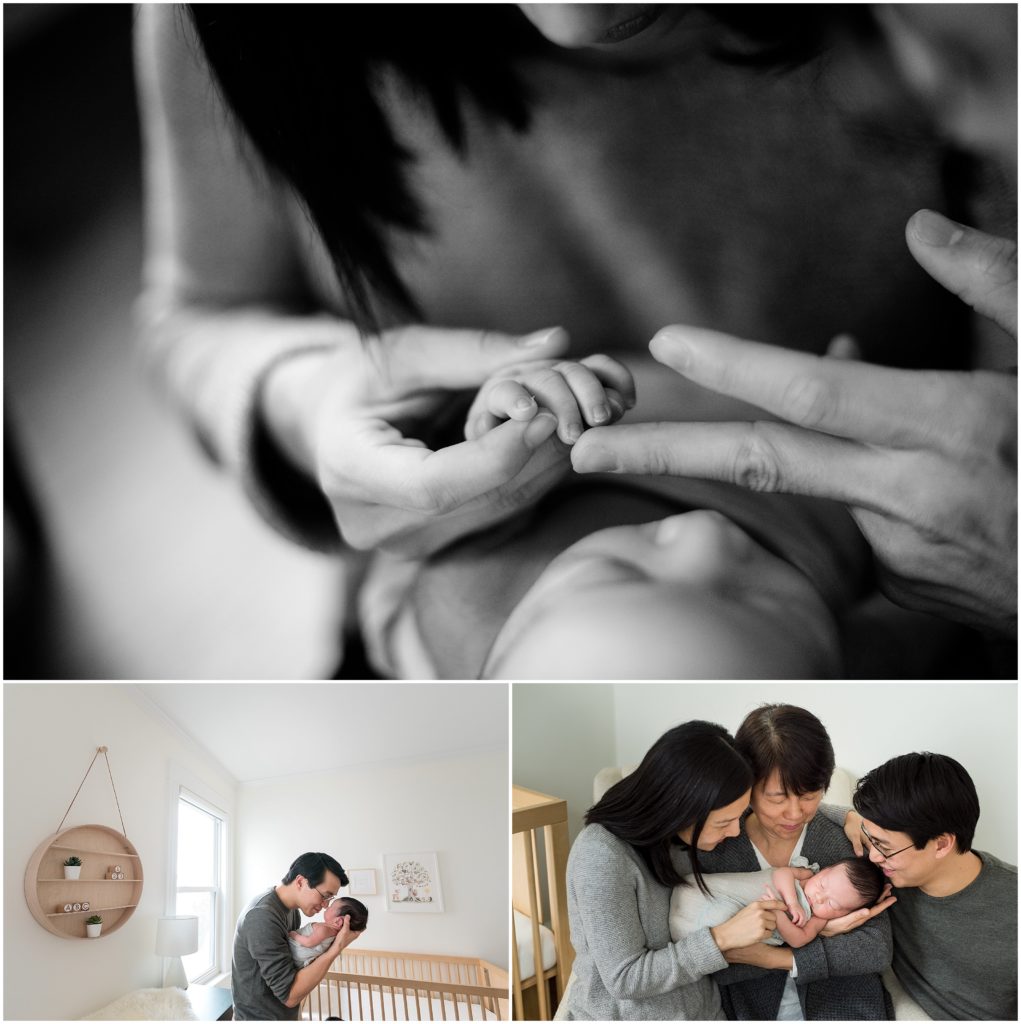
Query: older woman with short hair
{"type": "Point", "coordinates": [837, 976]}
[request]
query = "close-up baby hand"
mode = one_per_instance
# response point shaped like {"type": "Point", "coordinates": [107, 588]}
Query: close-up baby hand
{"type": "Point", "coordinates": [589, 392]}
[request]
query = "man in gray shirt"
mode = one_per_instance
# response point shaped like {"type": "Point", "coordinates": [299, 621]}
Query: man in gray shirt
{"type": "Point", "coordinates": [265, 983]}
{"type": "Point", "coordinates": [955, 919]}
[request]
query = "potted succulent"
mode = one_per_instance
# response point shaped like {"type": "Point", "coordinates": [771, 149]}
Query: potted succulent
{"type": "Point", "coordinates": [72, 867]}
{"type": "Point", "coordinates": [93, 926]}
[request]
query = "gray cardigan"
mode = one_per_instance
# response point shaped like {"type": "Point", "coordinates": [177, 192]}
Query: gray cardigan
{"type": "Point", "coordinates": [626, 967]}
{"type": "Point", "coordinates": [838, 978]}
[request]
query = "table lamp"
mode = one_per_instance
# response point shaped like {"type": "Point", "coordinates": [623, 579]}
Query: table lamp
{"type": "Point", "coordinates": [176, 937]}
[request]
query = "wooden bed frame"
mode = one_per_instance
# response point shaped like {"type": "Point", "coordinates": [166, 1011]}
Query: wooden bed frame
{"type": "Point", "coordinates": [540, 822]}
{"type": "Point", "coordinates": [381, 985]}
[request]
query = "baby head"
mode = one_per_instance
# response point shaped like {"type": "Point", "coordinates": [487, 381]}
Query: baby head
{"type": "Point", "coordinates": [691, 596]}
{"type": "Point", "coordinates": [355, 909]}
{"type": "Point", "coordinates": [841, 888]}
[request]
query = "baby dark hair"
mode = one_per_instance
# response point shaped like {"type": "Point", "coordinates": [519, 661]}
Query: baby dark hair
{"type": "Point", "coordinates": [867, 878]}
{"type": "Point", "coordinates": [355, 909]}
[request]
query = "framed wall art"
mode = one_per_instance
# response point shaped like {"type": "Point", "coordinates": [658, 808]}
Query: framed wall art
{"type": "Point", "coordinates": [411, 883]}
{"type": "Point", "coordinates": [363, 881]}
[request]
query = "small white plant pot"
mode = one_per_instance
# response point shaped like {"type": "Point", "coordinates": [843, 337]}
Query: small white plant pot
{"type": "Point", "coordinates": [72, 872]}
{"type": "Point", "coordinates": [93, 930]}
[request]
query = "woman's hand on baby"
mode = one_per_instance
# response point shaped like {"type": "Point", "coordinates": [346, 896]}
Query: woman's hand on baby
{"type": "Point", "coordinates": [751, 924]}
{"type": "Point", "coordinates": [591, 392]}
{"type": "Point", "coordinates": [356, 419]}
{"type": "Point", "coordinates": [926, 461]}
{"type": "Point", "coordinates": [848, 923]}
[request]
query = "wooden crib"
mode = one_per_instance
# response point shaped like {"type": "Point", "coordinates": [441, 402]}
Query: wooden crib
{"type": "Point", "coordinates": [539, 891]}
{"type": "Point", "coordinates": [370, 984]}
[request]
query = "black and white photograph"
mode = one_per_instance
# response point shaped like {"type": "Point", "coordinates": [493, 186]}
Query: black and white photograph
{"type": "Point", "coordinates": [538, 341]}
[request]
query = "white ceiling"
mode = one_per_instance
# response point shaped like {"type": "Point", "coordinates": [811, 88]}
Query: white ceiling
{"type": "Point", "coordinates": [266, 730]}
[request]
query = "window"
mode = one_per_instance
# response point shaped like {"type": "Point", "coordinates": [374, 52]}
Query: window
{"type": "Point", "coordinates": [201, 871]}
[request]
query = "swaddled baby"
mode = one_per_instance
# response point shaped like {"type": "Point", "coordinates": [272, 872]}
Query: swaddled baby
{"type": "Point", "coordinates": [316, 938]}
{"type": "Point", "coordinates": [813, 897]}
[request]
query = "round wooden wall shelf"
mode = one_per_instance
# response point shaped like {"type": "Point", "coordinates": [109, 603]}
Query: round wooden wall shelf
{"type": "Point", "coordinates": [100, 849]}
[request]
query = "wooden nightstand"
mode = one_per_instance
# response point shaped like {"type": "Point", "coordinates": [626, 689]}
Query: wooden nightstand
{"type": "Point", "coordinates": [210, 1002]}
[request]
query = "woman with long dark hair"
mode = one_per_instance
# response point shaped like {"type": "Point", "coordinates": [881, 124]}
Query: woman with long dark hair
{"type": "Point", "coordinates": [649, 830]}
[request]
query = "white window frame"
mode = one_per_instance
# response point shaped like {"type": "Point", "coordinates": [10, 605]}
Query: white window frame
{"type": "Point", "coordinates": [182, 786]}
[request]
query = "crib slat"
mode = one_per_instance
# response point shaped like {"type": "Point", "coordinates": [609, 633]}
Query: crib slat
{"type": "Point", "coordinates": [535, 906]}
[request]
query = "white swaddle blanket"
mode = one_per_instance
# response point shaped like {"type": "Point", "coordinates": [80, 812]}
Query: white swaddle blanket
{"type": "Point", "coordinates": [691, 909]}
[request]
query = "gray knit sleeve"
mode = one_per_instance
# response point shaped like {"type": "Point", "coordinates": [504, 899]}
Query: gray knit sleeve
{"type": "Point", "coordinates": [866, 950]}
{"type": "Point", "coordinates": [608, 887]}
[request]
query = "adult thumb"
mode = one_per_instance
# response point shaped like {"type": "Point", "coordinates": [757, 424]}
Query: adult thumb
{"type": "Point", "coordinates": [436, 357]}
{"type": "Point", "coordinates": [980, 269]}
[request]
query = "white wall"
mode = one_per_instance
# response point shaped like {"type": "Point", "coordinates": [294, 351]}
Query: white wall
{"type": "Point", "coordinates": [563, 735]}
{"type": "Point", "coordinates": [51, 733]}
{"type": "Point", "coordinates": [455, 805]}
{"type": "Point", "coordinates": [976, 723]}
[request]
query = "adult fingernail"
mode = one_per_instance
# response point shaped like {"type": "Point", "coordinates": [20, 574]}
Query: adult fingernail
{"type": "Point", "coordinates": [673, 346]}
{"type": "Point", "coordinates": [540, 429]}
{"type": "Point", "coordinates": [595, 460]}
{"type": "Point", "coordinates": [543, 337]}
{"type": "Point", "coordinates": [931, 228]}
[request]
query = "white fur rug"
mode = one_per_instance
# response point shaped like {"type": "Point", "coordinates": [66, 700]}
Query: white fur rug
{"type": "Point", "coordinates": [148, 1004]}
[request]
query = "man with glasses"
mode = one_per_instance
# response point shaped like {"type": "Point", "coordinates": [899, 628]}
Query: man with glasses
{"type": "Point", "coordinates": [955, 919]}
{"type": "Point", "coordinates": [265, 983]}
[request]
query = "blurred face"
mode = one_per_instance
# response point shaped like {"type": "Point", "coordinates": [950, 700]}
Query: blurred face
{"type": "Point", "coordinates": [724, 823]}
{"type": "Point", "coordinates": [831, 894]}
{"type": "Point", "coordinates": [312, 898]}
{"type": "Point", "coordinates": [783, 815]}
{"type": "Point", "coordinates": [574, 25]}
{"type": "Point", "coordinates": [691, 596]}
{"type": "Point", "coordinates": [624, 31]}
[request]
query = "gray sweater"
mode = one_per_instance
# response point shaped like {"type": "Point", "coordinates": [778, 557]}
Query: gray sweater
{"type": "Point", "coordinates": [626, 967]}
{"type": "Point", "coordinates": [956, 956]}
{"type": "Point", "coordinates": [262, 970]}
{"type": "Point", "coordinates": [838, 978]}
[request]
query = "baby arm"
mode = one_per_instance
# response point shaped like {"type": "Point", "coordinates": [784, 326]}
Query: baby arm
{"type": "Point", "coordinates": [783, 881]}
{"type": "Point", "coordinates": [799, 935]}
{"type": "Point", "coordinates": [589, 392]}
{"type": "Point", "coordinates": [320, 933]}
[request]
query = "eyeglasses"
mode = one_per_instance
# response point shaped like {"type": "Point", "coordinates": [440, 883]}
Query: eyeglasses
{"type": "Point", "coordinates": [326, 899]}
{"type": "Point", "coordinates": [883, 856]}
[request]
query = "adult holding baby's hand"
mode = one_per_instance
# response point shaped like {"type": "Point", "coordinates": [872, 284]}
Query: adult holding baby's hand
{"type": "Point", "coordinates": [926, 461]}
{"type": "Point", "coordinates": [353, 418]}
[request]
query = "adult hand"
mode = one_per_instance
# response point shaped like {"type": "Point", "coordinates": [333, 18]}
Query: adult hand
{"type": "Point", "coordinates": [852, 829]}
{"type": "Point", "coordinates": [344, 936]}
{"type": "Point", "coordinates": [355, 419]}
{"type": "Point", "coordinates": [926, 461]}
{"type": "Point", "coordinates": [750, 924]}
{"type": "Point", "coordinates": [848, 923]}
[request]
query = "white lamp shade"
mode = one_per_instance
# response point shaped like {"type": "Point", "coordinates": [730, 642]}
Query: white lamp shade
{"type": "Point", "coordinates": [177, 936]}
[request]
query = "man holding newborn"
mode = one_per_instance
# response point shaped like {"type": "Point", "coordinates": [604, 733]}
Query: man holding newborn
{"type": "Point", "coordinates": [266, 984]}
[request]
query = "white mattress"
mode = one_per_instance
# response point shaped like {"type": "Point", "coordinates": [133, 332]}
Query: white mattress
{"type": "Point", "coordinates": [526, 959]}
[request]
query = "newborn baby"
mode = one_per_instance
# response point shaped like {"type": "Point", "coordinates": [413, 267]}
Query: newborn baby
{"type": "Point", "coordinates": [812, 898]}
{"type": "Point", "coordinates": [315, 938]}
